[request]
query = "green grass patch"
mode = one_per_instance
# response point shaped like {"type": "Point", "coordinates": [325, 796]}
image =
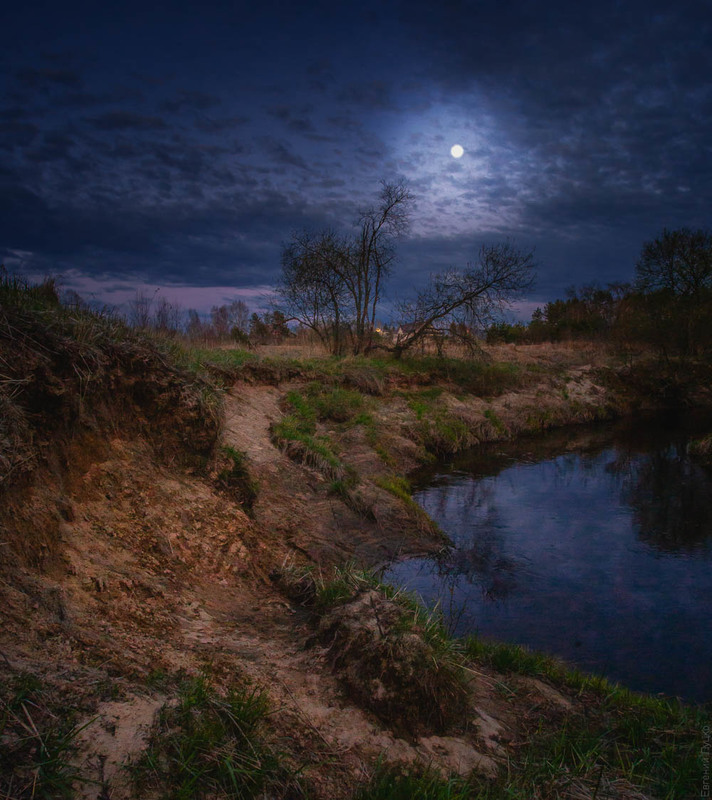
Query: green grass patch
{"type": "Point", "coordinates": [391, 782]}
{"type": "Point", "coordinates": [495, 421]}
{"type": "Point", "coordinates": [38, 743]}
{"type": "Point", "coordinates": [652, 742]}
{"type": "Point", "coordinates": [198, 359]}
{"type": "Point", "coordinates": [208, 745]}
{"type": "Point", "coordinates": [397, 486]}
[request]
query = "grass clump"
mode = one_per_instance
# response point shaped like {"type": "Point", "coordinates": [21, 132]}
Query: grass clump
{"type": "Point", "coordinates": [235, 476]}
{"type": "Point", "coordinates": [495, 421]}
{"type": "Point", "coordinates": [209, 745]}
{"type": "Point", "coordinates": [391, 782]}
{"type": "Point", "coordinates": [701, 449]}
{"type": "Point", "coordinates": [335, 403]}
{"type": "Point", "coordinates": [37, 746]}
{"type": "Point", "coordinates": [392, 656]}
{"type": "Point", "coordinates": [400, 487]}
{"type": "Point", "coordinates": [646, 741]}
{"type": "Point", "coordinates": [296, 433]}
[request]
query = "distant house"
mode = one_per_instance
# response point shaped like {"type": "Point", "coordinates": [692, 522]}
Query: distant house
{"type": "Point", "coordinates": [406, 330]}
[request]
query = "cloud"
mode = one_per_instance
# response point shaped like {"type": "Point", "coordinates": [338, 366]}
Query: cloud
{"type": "Point", "coordinates": [187, 99]}
{"type": "Point", "coordinates": [126, 120]}
{"type": "Point", "coordinates": [280, 153]}
{"type": "Point", "coordinates": [17, 134]}
{"type": "Point", "coordinates": [41, 78]}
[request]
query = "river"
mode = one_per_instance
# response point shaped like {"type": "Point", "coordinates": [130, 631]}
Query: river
{"type": "Point", "coordinates": [592, 543]}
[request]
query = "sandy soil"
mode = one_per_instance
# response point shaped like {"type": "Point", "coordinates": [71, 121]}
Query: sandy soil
{"type": "Point", "coordinates": [150, 567]}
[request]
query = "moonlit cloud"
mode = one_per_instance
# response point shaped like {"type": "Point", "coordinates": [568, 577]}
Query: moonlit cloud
{"type": "Point", "coordinates": [184, 151]}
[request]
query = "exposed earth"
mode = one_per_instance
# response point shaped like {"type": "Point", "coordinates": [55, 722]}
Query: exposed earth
{"type": "Point", "coordinates": [123, 565]}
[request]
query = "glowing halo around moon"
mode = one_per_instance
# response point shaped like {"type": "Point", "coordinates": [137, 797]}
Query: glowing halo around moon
{"type": "Point", "coordinates": [457, 151]}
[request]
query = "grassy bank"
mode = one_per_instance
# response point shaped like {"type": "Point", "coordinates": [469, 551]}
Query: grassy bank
{"type": "Point", "coordinates": [135, 535]}
{"type": "Point", "coordinates": [602, 740]}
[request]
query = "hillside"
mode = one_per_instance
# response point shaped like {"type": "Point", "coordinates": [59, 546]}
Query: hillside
{"type": "Point", "coordinates": [185, 611]}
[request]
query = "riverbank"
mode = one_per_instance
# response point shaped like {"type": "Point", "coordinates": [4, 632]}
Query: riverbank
{"type": "Point", "coordinates": [157, 504]}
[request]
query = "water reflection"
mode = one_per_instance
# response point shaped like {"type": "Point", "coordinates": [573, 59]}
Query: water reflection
{"type": "Point", "coordinates": [670, 498]}
{"type": "Point", "coordinates": [592, 544]}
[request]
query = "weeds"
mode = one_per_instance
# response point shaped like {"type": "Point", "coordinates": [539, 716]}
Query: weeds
{"type": "Point", "coordinates": [209, 746]}
{"type": "Point", "coordinates": [495, 421]}
{"type": "Point", "coordinates": [296, 432]}
{"type": "Point", "coordinates": [36, 745]}
{"type": "Point", "coordinates": [390, 782]}
{"type": "Point", "coordinates": [648, 741]}
{"type": "Point", "coordinates": [400, 487]}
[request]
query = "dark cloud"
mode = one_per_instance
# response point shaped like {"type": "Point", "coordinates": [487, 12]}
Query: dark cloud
{"type": "Point", "coordinates": [39, 78]}
{"type": "Point", "coordinates": [197, 101]}
{"type": "Point", "coordinates": [191, 145]}
{"type": "Point", "coordinates": [16, 134]}
{"type": "Point", "coordinates": [209, 125]}
{"type": "Point", "coordinates": [372, 95]}
{"type": "Point", "coordinates": [126, 120]}
{"type": "Point", "coordinates": [281, 154]}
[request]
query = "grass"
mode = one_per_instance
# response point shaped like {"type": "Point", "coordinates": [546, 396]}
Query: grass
{"type": "Point", "coordinates": [296, 433]}
{"type": "Point", "coordinates": [403, 668]}
{"type": "Point", "coordinates": [610, 739]}
{"type": "Point", "coordinates": [495, 421]}
{"type": "Point", "coordinates": [197, 359]}
{"type": "Point", "coordinates": [70, 368]}
{"type": "Point", "coordinates": [400, 487]}
{"type": "Point", "coordinates": [390, 782]}
{"type": "Point", "coordinates": [209, 745]}
{"type": "Point", "coordinates": [37, 744]}
{"type": "Point", "coordinates": [649, 741]}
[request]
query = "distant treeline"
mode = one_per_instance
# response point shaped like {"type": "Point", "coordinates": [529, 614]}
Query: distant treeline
{"type": "Point", "coordinates": [229, 322]}
{"type": "Point", "coordinates": [668, 307]}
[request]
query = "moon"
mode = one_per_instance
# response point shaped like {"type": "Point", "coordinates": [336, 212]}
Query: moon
{"type": "Point", "coordinates": [457, 151]}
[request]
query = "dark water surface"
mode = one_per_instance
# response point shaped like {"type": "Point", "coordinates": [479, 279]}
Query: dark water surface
{"type": "Point", "coordinates": [593, 544]}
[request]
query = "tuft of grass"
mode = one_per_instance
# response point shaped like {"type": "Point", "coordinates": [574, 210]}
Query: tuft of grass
{"type": "Point", "coordinates": [209, 745]}
{"type": "Point", "coordinates": [21, 293]}
{"type": "Point", "coordinates": [335, 403]}
{"type": "Point", "coordinates": [296, 434]}
{"type": "Point", "coordinates": [701, 449]}
{"type": "Point", "coordinates": [495, 421]}
{"type": "Point", "coordinates": [400, 487]}
{"type": "Point", "coordinates": [37, 746]}
{"type": "Point", "coordinates": [647, 741]}
{"type": "Point", "coordinates": [393, 782]}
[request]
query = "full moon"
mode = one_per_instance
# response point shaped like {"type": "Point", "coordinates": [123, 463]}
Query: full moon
{"type": "Point", "coordinates": [457, 151]}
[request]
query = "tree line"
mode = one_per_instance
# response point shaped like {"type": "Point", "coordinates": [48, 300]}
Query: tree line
{"type": "Point", "coordinates": [230, 322]}
{"type": "Point", "coordinates": [668, 305]}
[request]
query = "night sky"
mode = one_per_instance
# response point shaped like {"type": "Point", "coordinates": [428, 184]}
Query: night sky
{"type": "Point", "coordinates": [178, 145]}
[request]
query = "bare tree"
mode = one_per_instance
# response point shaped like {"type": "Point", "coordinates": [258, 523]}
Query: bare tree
{"type": "Point", "coordinates": [333, 284]}
{"type": "Point", "coordinates": [679, 261]}
{"type": "Point", "coordinates": [239, 316]}
{"type": "Point", "coordinates": [312, 290]}
{"type": "Point", "coordinates": [140, 309]}
{"type": "Point", "coordinates": [166, 316]}
{"type": "Point", "coordinates": [371, 258]}
{"type": "Point", "coordinates": [473, 296]}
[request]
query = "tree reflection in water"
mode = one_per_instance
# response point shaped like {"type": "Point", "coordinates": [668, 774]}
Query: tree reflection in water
{"type": "Point", "coordinates": [593, 543]}
{"type": "Point", "coordinates": [670, 497]}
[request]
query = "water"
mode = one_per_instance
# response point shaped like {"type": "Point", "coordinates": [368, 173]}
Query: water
{"type": "Point", "coordinates": [591, 544]}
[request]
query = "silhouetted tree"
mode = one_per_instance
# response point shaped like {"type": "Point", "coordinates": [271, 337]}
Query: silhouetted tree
{"type": "Point", "coordinates": [332, 283]}
{"type": "Point", "coordinates": [674, 273]}
{"type": "Point", "coordinates": [472, 296]}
